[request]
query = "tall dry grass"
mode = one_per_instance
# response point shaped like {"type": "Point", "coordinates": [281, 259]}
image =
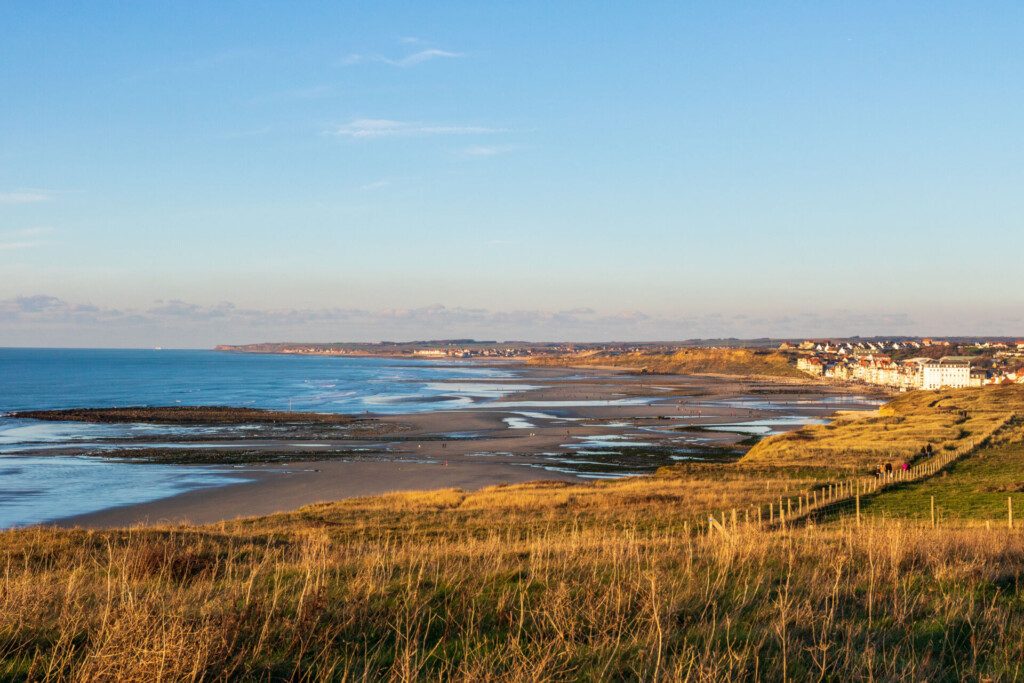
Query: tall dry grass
{"type": "Point", "coordinates": [948, 421]}
{"type": "Point", "coordinates": [502, 586]}
{"type": "Point", "coordinates": [717, 361]}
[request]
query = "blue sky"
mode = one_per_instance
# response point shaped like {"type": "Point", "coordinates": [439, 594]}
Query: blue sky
{"type": "Point", "coordinates": [184, 174]}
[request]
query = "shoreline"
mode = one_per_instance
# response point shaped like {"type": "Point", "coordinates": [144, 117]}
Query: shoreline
{"type": "Point", "coordinates": [568, 424]}
{"type": "Point", "coordinates": [275, 488]}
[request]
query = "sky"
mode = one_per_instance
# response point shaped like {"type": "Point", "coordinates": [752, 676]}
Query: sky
{"type": "Point", "coordinates": [183, 174]}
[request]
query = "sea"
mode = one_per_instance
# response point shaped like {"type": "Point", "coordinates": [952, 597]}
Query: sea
{"type": "Point", "coordinates": [38, 488]}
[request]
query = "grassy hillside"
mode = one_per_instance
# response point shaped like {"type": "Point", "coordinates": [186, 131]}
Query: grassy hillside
{"type": "Point", "coordinates": [512, 583]}
{"type": "Point", "coordinates": [745, 362]}
{"type": "Point", "coordinates": [975, 488]}
{"type": "Point", "coordinates": [552, 581]}
{"type": "Point", "coordinates": [951, 421]}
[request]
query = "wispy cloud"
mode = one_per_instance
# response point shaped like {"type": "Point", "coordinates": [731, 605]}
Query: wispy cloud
{"type": "Point", "coordinates": [409, 60]}
{"type": "Point", "coordinates": [425, 56]}
{"type": "Point", "coordinates": [13, 246]}
{"type": "Point", "coordinates": [26, 238]}
{"type": "Point", "coordinates": [25, 196]}
{"type": "Point", "coordinates": [386, 128]}
{"type": "Point", "coordinates": [42, 308]}
{"type": "Point", "coordinates": [223, 318]}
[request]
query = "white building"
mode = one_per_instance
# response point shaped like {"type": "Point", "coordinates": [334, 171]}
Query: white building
{"type": "Point", "coordinates": [811, 365]}
{"type": "Point", "coordinates": [947, 372]}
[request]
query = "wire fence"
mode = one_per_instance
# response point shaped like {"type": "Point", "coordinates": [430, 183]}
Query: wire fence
{"type": "Point", "coordinates": [843, 497]}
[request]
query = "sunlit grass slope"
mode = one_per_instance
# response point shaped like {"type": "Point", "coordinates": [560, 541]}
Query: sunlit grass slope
{"type": "Point", "coordinates": [548, 581]}
{"type": "Point", "coordinates": [953, 421]}
{"type": "Point", "coordinates": [513, 583]}
{"type": "Point", "coordinates": [974, 488]}
{"type": "Point", "coordinates": [744, 362]}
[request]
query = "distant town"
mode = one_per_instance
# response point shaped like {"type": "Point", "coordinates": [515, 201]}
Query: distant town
{"type": "Point", "coordinates": [912, 364]}
{"type": "Point", "coordinates": [901, 363]}
{"type": "Point", "coordinates": [435, 348]}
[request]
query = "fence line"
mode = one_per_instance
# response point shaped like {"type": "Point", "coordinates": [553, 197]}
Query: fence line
{"type": "Point", "coordinates": [846, 493]}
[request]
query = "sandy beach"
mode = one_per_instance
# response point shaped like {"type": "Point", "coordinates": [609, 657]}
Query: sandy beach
{"type": "Point", "coordinates": [280, 488]}
{"type": "Point", "coordinates": [567, 424]}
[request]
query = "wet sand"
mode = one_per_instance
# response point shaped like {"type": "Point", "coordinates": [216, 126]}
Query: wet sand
{"type": "Point", "coordinates": [539, 433]}
{"type": "Point", "coordinates": [282, 488]}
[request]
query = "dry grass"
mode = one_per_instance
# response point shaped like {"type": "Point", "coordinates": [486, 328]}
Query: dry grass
{"type": "Point", "coordinates": [894, 603]}
{"type": "Point", "coordinates": [665, 502]}
{"type": "Point", "coordinates": [513, 583]}
{"type": "Point", "coordinates": [948, 421]}
{"type": "Point", "coordinates": [530, 582]}
{"type": "Point", "coordinates": [744, 362]}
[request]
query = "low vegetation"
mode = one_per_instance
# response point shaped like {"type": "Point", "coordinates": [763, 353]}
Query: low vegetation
{"type": "Point", "coordinates": [905, 429]}
{"type": "Point", "coordinates": [513, 583]}
{"type": "Point", "coordinates": [550, 581]}
{"type": "Point", "coordinates": [743, 362]}
{"type": "Point", "coordinates": [975, 489]}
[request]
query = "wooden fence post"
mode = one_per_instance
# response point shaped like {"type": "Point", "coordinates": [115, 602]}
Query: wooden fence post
{"type": "Point", "coordinates": [1009, 512]}
{"type": "Point", "coordinates": [933, 511]}
{"type": "Point", "coordinates": [858, 508]}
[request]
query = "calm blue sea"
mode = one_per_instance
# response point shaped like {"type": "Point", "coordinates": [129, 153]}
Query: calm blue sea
{"type": "Point", "coordinates": [36, 488]}
{"type": "Point", "coordinates": [69, 378]}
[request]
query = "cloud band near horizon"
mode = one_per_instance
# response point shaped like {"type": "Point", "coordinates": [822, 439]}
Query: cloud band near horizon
{"type": "Point", "coordinates": [44, 320]}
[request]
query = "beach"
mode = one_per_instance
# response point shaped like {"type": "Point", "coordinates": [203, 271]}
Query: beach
{"type": "Point", "coordinates": [565, 424]}
{"type": "Point", "coordinates": [281, 488]}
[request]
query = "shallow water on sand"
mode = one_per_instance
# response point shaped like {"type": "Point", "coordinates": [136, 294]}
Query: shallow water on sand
{"type": "Point", "coordinates": [37, 488]}
{"type": "Point", "coordinates": [41, 489]}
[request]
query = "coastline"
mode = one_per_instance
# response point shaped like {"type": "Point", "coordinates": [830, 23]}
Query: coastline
{"type": "Point", "coordinates": [568, 424]}
{"type": "Point", "coordinates": [284, 488]}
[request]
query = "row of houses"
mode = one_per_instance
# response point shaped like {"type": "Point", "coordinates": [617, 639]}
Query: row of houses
{"type": "Point", "coordinates": [915, 373]}
{"type": "Point", "coordinates": [860, 347]}
{"type": "Point", "coordinates": [453, 352]}
{"type": "Point", "coordinates": [855, 348]}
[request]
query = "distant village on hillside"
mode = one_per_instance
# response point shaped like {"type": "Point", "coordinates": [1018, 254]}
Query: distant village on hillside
{"type": "Point", "coordinates": [902, 363]}
{"type": "Point", "coordinates": [913, 364]}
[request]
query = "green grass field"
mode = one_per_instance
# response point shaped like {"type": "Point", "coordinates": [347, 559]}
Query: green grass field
{"type": "Point", "coordinates": [975, 488]}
